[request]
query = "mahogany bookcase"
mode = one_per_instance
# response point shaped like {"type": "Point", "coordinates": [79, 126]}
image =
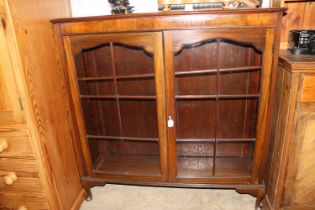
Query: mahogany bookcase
{"type": "Point", "coordinates": [173, 99]}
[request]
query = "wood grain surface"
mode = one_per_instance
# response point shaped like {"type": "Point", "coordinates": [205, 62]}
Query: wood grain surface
{"type": "Point", "coordinates": [37, 69]}
{"type": "Point", "coordinates": [308, 92]}
{"type": "Point", "coordinates": [290, 163]}
{"type": "Point", "coordinates": [301, 175]}
{"type": "Point", "coordinates": [12, 201]}
{"type": "Point", "coordinates": [300, 16]}
{"type": "Point", "coordinates": [208, 144]}
{"type": "Point", "coordinates": [18, 140]}
{"type": "Point", "coordinates": [9, 94]}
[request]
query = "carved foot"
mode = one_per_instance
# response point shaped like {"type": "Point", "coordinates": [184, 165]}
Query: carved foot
{"type": "Point", "coordinates": [258, 191]}
{"type": "Point", "coordinates": [88, 183]}
{"type": "Point", "coordinates": [259, 205]}
{"type": "Point", "coordinates": [88, 196]}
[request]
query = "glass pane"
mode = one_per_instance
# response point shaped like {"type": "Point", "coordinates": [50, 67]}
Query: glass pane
{"type": "Point", "coordinates": [195, 69]}
{"type": "Point", "coordinates": [239, 83]}
{"type": "Point", "coordinates": [238, 74]}
{"type": "Point", "coordinates": [143, 87]}
{"type": "Point", "coordinates": [195, 119]}
{"type": "Point", "coordinates": [118, 98]}
{"type": "Point", "coordinates": [94, 62]}
{"type": "Point", "coordinates": [233, 159]}
{"type": "Point", "coordinates": [97, 87]}
{"type": "Point", "coordinates": [132, 158]}
{"type": "Point", "coordinates": [132, 60]}
{"type": "Point", "coordinates": [139, 118]}
{"type": "Point", "coordinates": [192, 67]}
{"type": "Point", "coordinates": [194, 159]}
{"type": "Point", "coordinates": [217, 95]}
{"type": "Point", "coordinates": [237, 118]}
{"type": "Point", "coordinates": [101, 117]}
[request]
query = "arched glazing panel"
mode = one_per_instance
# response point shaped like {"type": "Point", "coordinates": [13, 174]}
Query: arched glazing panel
{"type": "Point", "coordinates": [118, 98]}
{"type": "Point", "coordinates": [217, 95]}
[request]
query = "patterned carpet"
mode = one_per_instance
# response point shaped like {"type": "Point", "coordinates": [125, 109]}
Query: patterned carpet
{"type": "Point", "coordinates": [122, 197]}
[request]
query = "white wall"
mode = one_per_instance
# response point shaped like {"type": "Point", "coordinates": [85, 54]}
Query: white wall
{"type": "Point", "coordinates": [101, 7]}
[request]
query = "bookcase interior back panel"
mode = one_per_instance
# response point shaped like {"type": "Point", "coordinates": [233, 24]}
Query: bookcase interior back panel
{"type": "Point", "coordinates": [217, 95]}
{"type": "Point", "coordinates": [118, 99]}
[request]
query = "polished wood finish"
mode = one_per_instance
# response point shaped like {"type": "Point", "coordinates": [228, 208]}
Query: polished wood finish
{"type": "Point", "coordinates": [159, 99]}
{"type": "Point", "coordinates": [23, 201]}
{"type": "Point", "coordinates": [3, 145]}
{"type": "Point", "coordinates": [267, 17]}
{"type": "Point", "coordinates": [17, 140]}
{"type": "Point", "coordinates": [308, 92]}
{"type": "Point", "coordinates": [9, 94]}
{"type": "Point", "coordinates": [35, 114]}
{"type": "Point", "coordinates": [10, 178]}
{"type": "Point", "coordinates": [291, 161]}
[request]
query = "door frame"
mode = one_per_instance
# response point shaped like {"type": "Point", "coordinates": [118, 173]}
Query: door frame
{"type": "Point", "coordinates": [151, 42]}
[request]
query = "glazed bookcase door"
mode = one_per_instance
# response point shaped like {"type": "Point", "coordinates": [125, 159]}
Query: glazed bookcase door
{"type": "Point", "coordinates": [214, 92]}
{"type": "Point", "coordinates": [118, 81]}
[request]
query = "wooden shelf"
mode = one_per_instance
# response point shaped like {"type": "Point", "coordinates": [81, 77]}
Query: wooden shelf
{"type": "Point", "coordinates": [195, 140]}
{"type": "Point", "coordinates": [238, 96]}
{"type": "Point", "coordinates": [124, 77]}
{"type": "Point", "coordinates": [118, 138]}
{"type": "Point", "coordinates": [212, 140]}
{"type": "Point", "coordinates": [194, 167]}
{"type": "Point", "coordinates": [128, 164]}
{"type": "Point", "coordinates": [202, 167]}
{"type": "Point", "coordinates": [232, 166]}
{"type": "Point", "coordinates": [179, 73]}
{"type": "Point", "coordinates": [223, 70]}
{"type": "Point", "coordinates": [86, 79]}
{"type": "Point", "coordinates": [117, 97]}
{"type": "Point", "coordinates": [240, 69]}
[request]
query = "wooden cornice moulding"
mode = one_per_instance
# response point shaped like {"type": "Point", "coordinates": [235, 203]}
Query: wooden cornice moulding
{"type": "Point", "coordinates": [202, 19]}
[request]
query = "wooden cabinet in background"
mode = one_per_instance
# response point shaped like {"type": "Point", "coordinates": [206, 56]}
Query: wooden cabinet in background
{"type": "Point", "coordinates": [38, 169]}
{"type": "Point", "coordinates": [291, 163]}
{"type": "Point", "coordinates": [160, 99]}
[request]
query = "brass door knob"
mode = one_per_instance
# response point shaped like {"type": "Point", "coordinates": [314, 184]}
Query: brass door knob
{"type": "Point", "coordinates": [3, 145]}
{"type": "Point", "coordinates": [9, 179]}
{"type": "Point", "coordinates": [22, 208]}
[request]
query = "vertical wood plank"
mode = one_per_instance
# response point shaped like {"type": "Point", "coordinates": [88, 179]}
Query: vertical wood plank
{"type": "Point", "coordinates": [40, 75]}
{"type": "Point", "coordinates": [264, 112]}
{"type": "Point", "coordinates": [300, 179]}
{"type": "Point", "coordinates": [170, 108]}
{"type": "Point", "coordinates": [9, 94]}
{"type": "Point", "coordinates": [74, 89]}
{"type": "Point", "coordinates": [309, 15]}
{"type": "Point", "coordinates": [293, 20]}
{"type": "Point", "coordinates": [161, 102]}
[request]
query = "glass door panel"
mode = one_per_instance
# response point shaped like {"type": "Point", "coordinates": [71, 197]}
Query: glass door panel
{"type": "Point", "coordinates": [195, 68]}
{"type": "Point", "coordinates": [238, 99]}
{"type": "Point", "coordinates": [118, 93]}
{"type": "Point", "coordinates": [216, 93]}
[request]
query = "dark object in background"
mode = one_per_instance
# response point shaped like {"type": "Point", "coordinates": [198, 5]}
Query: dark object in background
{"type": "Point", "coordinates": [302, 42]}
{"type": "Point", "coordinates": [120, 6]}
